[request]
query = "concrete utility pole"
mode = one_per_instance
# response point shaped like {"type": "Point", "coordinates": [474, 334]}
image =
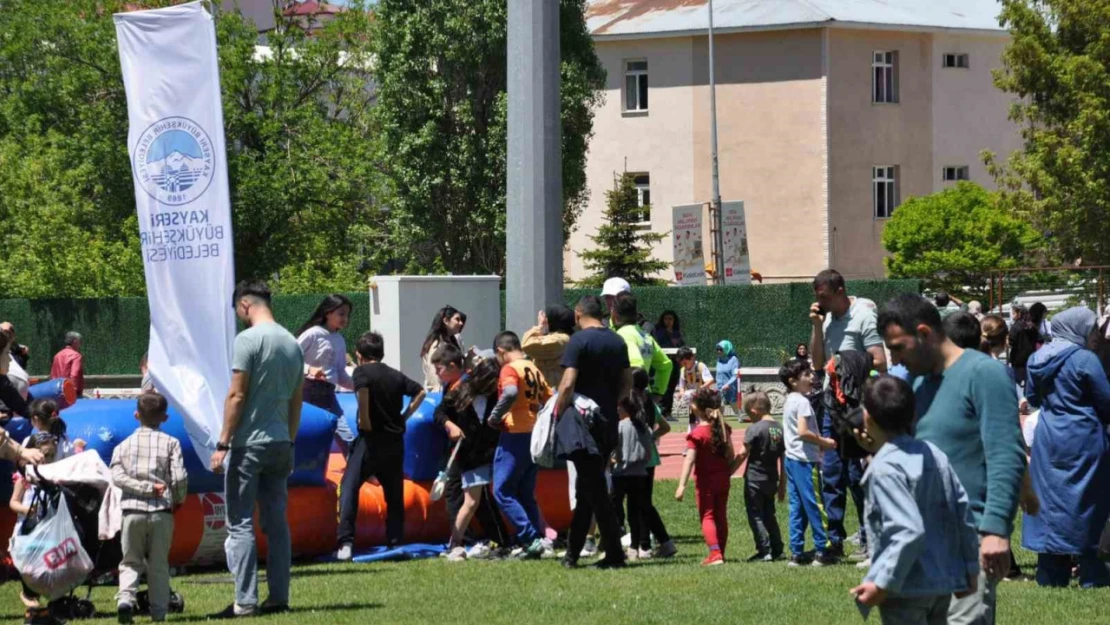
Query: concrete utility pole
{"type": "Point", "coordinates": [715, 205]}
{"type": "Point", "coordinates": [534, 227]}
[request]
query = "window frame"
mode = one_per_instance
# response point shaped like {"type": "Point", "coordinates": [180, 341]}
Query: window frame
{"type": "Point", "coordinates": [889, 85]}
{"type": "Point", "coordinates": [887, 176]}
{"type": "Point", "coordinates": [643, 189]}
{"type": "Point", "coordinates": [957, 58]}
{"type": "Point", "coordinates": [638, 74]}
{"type": "Point", "coordinates": [960, 173]}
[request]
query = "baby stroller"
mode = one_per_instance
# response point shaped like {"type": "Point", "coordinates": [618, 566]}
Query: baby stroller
{"type": "Point", "coordinates": [75, 487]}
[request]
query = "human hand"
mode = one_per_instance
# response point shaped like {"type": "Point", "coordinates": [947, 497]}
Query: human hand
{"type": "Point", "coordinates": [994, 556]}
{"type": "Point", "coordinates": [216, 464]}
{"type": "Point", "coordinates": [869, 594]}
{"type": "Point", "coordinates": [541, 320]}
{"type": "Point", "coordinates": [827, 443]}
{"type": "Point", "coordinates": [317, 373]}
{"type": "Point", "coordinates": [680, 493]}
{"type": "Point", "coordinates": [453, 432]}
{"type": "Point", "coordinates": [79, 445]}
{"type": "Point", "coordinates": [864, 439]}
{"type": "Point", "coordinates": [31, 456]}
{"type": "Point", "coordinates": [815, 314]}
{"type": "Point", "coordinates": [159, 490]}
{"type": "Point", "coordinates": [972, 586]}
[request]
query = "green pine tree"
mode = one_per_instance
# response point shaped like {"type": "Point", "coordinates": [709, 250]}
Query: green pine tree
{"type": "Point", "coordinates": [623, 249]}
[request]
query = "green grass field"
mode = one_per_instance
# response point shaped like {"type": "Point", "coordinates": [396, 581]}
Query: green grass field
{"type": "Point", "coordinates": [674, 591]}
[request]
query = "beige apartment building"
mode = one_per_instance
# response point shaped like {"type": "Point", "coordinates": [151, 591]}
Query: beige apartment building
{"type": "Point", "coordinates": [830, 114]}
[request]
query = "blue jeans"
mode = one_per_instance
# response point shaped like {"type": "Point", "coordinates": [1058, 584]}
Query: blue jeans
{"type": "Point", "coordinates": [1055, 570]}
{"type": "Point", "coordinates": [259, 473]}
{"type": "Point", "coordinates": [840, 477]}
{"type": "Point", "coordinates": [514, 485]}
{"type": "Point", "coordinates": [803, 488]}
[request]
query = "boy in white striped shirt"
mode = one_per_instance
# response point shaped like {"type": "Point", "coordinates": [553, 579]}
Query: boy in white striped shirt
{"type": "Point", "coordinates": [148, 467]}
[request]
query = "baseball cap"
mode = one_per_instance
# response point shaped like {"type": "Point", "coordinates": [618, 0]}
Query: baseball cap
{"type": "Point", "coordinates": [615, 286]}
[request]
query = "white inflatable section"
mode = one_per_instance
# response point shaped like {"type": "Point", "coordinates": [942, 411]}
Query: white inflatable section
{"type": "Point", "coordinates": [402, 307]}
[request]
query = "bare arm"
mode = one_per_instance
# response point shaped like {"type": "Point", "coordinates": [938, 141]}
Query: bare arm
{"type": "Point", "coordinates": [817, 338]}
{"type": "Point", "coordinates": [414, 404]}
{"type": "Point", "coordinates": [233, 405]}
{"type": "Point", "coordinates": [295, 404]}
{"type": "Point", "coordinates": [687, 469]}
{"type": "Point", "coordinates": [566, 391]}
{"type": "Point", "coordinates": [363, 396]}
{"type": "Point", "coordinates": [662, 428]}
{"type": "Point", "coordinates": [878, 357]}
{"type": "Point", "coordinates": [810, 436]}
{"type": "Point", "coordinates": [16, 503]}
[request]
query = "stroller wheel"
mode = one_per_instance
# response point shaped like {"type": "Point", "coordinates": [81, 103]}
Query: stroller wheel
{"type": "Point", "coordinates": [177, 602]}
{"type": "Point", "coordinates": [83, 608]}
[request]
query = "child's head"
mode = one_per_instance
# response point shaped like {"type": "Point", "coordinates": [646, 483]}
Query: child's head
{"type": "Point", "coordinates": [685, 357]}
{"type": "Point", "coordinates": [757, 405]}
{"type": "Point", "coordinates": [43, 414]}
{"type": "Point", "coordinates": [370, 347]}
{"type": "Point", "coordinates": [448, 362]}
{"type": "Point", "coordinates": [797, 376]}
{"type": "Point", "coordinates": [706, 400]}
{"type": "Point", "coordinates": [888, 408]}
{"type": "Point", "coordinates": [640, 379]}
{"type": "Point", "coordinates": [628, 406]}
{"type": "Point", "coordinates": [506, 343]}
{"type": "Point", "coordinates": [151, 410]}
{"type": "Point", "coordinates": [45, 442]}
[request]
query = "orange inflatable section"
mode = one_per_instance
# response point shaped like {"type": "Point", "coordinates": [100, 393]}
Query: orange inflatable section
{"type": "Point", "coordinates": [426, 520]}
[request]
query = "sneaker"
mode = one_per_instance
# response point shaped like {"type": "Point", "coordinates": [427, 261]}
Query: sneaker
{"type": "Point", "coordinates": [234, 611]}
{"type": "Point", "coordinates": [666, 550]}
{"type": "Point", "coordinates": [859, 556]}
{"type": "Point", "coordinates": [713, 559]}
{"type": "Point", "coordinates": [835, 550]}
{"type": "Point", "coordinates": [799, 559]}
{"type": "Point", "coordinates": [825, 559]}
{"type": "Point", "coordinates": [569, 563]}
{"type": "Point", "coordinates": [605, 564]}
{"type": "Point", "coordinates": [866, 564]}
{"type": "Point", "coordinates": [458, 554]}
{"type": "Point", "coordinates": [344, 553]}
{"type": "Point", "coordinates": [536, 549]}
{"type": "Point", "coordinates": [548, 552]}
{"type": "Point", "coordinates": [626, 541]}
{"type": "Point", "coordinates": [760, 557]}
{"type": "Point", "coordinates": [125, 613]}
{"type": "Point", "coordinates": [589, 550]}
{"type": "Point", "coordinates": [480, 551]}
{"type": "Point", "coordinates": [854, 539]}
{"type": "Point", "coordinates": [643, 554]}
{"type": "Point", "coordinates": [268, 608]}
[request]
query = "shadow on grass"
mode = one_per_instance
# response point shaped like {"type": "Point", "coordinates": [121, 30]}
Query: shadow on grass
{"type": "Point", "coordinates": [296, 573]}
{"type": "Point", "coordinates": [338, 607]}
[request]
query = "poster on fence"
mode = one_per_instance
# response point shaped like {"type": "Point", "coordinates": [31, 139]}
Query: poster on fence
{"type": "Point", "coordinates": [738, 266]}
{"type": "Point", "coordinates": [176, 144]}
{"type": "Point", "coordinates": [689, 258]}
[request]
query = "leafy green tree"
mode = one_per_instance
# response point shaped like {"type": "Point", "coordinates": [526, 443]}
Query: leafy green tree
{"type": "Point", "coordinates": [1058, 66]}
{"type": "Point", "coordinates": [302, 158]}
{"type": "Point", "coordinates": [621, 247]}
{"type": "Point", "coordinates": [442, 111]}
{"type": "Point", "coordinates": [952, 239]}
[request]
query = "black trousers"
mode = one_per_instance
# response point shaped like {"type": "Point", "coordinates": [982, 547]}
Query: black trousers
{"type": "Point", "coordinates": [761, 518]}
{"type": "Point", "coordinates": [634, 487]}
{"type": "Point", "coordinates": [488, 516]}
{"type": "Point", "coordinates": [385, 460]}
{"type": "Point", "coordinates": [652, 522]}
{"type": "Point", "coordinates": [592, 497]}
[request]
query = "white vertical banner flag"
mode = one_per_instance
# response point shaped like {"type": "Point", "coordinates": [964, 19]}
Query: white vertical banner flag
{"type": "Point", "coordinates": [689, 257]}
{"type": "Point", "coordinates": [178, 158]}
{"type": "Point", "coordinates": [738, 267]}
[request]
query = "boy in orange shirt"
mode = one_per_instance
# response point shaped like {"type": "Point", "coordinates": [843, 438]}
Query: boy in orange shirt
{"type": "Point", "coordinates": [523, 392]}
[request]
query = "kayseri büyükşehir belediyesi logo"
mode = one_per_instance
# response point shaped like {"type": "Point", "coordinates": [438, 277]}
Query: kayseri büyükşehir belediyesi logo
{"type": "Point", "coordinates": [173, 161]}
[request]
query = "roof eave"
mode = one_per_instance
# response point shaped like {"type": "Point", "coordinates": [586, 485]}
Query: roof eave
{"type": "Point", "coordinates": [977, 32]}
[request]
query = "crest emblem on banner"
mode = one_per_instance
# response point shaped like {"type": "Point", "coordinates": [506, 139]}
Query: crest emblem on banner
{"type": "Point", "coordinates": [173, 161]}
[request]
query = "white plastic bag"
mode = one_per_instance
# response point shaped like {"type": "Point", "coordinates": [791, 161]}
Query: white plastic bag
{"type": "Point", "coordinates": [543, 435]}
{"type": "Point", "coordinates": [50, 557]}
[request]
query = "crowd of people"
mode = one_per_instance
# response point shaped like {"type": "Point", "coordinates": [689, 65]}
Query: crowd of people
{"type": "Point", "coordinates": [938, 422]}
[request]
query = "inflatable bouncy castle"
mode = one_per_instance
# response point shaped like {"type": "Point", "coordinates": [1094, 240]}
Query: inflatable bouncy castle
{"type": "Point", "coordinates": [199, 524]}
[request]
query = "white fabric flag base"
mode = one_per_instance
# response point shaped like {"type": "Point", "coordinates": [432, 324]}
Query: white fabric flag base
{"type": "Point", "coordinates": [178, 158]}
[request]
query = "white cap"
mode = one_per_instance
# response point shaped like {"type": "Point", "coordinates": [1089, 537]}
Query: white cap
{"type": "Point", "coordinates": [615, 286]}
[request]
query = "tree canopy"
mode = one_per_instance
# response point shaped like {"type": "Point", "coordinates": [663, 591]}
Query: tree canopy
{"type": "Point", "coordinates": [952, 239]}
{"type": "Point", "coordinates": [442, 110]}
{"type": "Point", "coordinates": [1058, 64]}
{"type": "Point", "coordinates": [301, 152]}
{"type": "Point", "coordinates": [621, 247]}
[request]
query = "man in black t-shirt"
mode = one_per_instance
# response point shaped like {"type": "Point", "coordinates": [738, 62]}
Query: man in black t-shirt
{"type": "Point", "coordinates": [379, 449]}
{"type": "Point", "coordinates": [763, 478]}
{"type": "Point", "coordinates": [596, 366]}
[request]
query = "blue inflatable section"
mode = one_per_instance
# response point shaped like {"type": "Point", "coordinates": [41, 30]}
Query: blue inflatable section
{"type": "Point", "coordinates": [424, 440]}
{"type": "Point", "coordinates": [52, 389]}
{"type": "Point", "coordinates": [104, 423]}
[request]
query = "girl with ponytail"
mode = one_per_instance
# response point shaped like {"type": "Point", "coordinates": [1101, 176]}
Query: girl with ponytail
{"type": "Point", "coordinates": [710, 455]}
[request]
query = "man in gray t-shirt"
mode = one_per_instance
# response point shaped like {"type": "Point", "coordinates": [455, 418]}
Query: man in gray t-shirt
{"type": "Point", "coordinates": [261, 417]}
{"type": "Point", "coordinates": [841, 323]}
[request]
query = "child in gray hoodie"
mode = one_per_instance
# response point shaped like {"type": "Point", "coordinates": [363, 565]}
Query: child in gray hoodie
{"type": "Point", "coordinates": [630, 459]}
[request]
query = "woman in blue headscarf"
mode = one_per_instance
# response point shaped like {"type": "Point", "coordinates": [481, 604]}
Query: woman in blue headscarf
{"type": "Point", "coordinates": [728, 374]}
{"type": "Point", "coordinates": [1070, 456]}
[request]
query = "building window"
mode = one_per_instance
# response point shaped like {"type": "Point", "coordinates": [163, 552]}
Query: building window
{"type": "Point", "coordinates": [884, 77]}
{"type": "Point", "coordinates": [635, 86]}
{"type": "Point", "coordinates": [961, 61]}
{"type": "Point", "coordinates": [953, 174]}
{"type": "Point", "coordinates": [884, 190]}
{"type": "Point", "coordinates": [643, 199]}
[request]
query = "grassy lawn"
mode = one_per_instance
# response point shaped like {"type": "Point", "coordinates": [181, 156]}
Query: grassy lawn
{"type": "Point", "coordinates": [676, 591]}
